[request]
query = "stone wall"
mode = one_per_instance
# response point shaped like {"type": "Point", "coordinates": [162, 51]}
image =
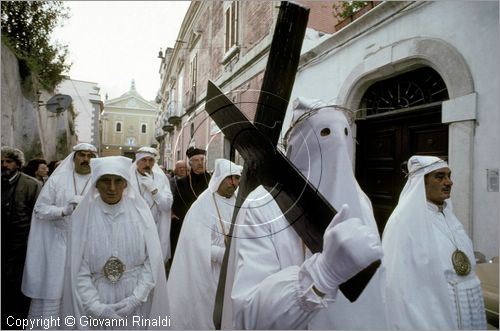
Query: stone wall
{"type": "Point", "coordinates": [25, 124]}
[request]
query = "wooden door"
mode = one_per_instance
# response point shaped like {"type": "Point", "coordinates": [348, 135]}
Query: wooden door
{"type": "Point", "coordinates": [385, 143]}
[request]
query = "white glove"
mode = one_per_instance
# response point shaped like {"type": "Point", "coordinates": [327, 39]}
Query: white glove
{"type": "Point", "coordinates": [217, 253]}
{"type": "Point", "coordinates": [68, 210]}
{"type": "Point", "coordinates": [127, 306]}
{"type": "Point", "coordinates": [349, 246]}
{"type": "Point", "coordinates": [76, 199]}
{"type": "Point", "coordinates": [148, 182]}
{"type": "Point", "coordinates": [109, 312]}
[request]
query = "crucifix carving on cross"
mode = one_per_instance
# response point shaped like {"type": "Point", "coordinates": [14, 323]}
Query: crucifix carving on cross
{"type": "Point", "coordinates": [303, 206]}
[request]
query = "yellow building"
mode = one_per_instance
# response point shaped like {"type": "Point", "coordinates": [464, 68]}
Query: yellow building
{"type": "Point", "coordinates": [127, 123]}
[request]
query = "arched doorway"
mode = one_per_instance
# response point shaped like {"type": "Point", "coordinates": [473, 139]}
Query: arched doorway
{"type": "Point", "coordinates": [401, 116]}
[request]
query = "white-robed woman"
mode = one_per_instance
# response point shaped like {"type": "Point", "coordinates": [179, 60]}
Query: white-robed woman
{"type": "Point", "coordinates": [116, 273]}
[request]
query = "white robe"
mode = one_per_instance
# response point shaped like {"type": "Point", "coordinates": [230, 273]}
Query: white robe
{"type": "Point", "coordinates": [43, 276]}
{"type": "Point", "coordinates": [424, 292]}
{"type": "Point", "coordinates": [194, 275]}
{"type": "Point", "coordinates": [272, 289]}
{"type": "Point", "coordinates": [160, 205]}
{"type": "Point", "coordinates": [127, 231]}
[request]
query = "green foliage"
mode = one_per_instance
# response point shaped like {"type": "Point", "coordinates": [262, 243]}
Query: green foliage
{"type": "Point", "coordinates": [26, 29]}
{"type": "Point", "coordinates": [345, 9]}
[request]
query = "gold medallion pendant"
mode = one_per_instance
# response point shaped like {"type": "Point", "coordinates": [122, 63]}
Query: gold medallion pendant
{"type": "Point", "coordinates": [461, 263]}
{"type": "Point", "coordinates": [113, 269]}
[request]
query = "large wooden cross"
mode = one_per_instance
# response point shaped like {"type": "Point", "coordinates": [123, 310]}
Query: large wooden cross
{"type": "Point", "coordinates": [302, 204]}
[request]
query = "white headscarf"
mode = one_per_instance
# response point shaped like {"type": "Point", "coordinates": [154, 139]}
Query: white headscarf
{"type": "Point", "coordinates": [223, 169]}
{"type": "Point", "coordinates": [145, 152]}
{"type": "Point", "coordinates": [68, 164]}
{"type": "Point", "coordinates": [120, 166]}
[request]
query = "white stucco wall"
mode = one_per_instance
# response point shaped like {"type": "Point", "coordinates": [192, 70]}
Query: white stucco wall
{"type": "Point", "coordinates": [82, 93]}
{"type": "Point", "coordinates": [394, 36]}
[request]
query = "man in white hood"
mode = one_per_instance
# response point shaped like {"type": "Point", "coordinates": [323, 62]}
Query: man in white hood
{"type": "Point", "coordinates": [154, 187]}
{"type": "Point", "coordinates": [431, 279]}
{"type": "Point", "coordinates": [278, 283]}
{"type": "Point", "coordinates": [194, 275]}
{"type": "Point", "coordinates": [44, 269]}
{"type": "Point", "coordinates": [116, 276]}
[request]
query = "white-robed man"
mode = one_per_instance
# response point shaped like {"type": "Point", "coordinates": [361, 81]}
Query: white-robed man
{"type": "Point", "coordinates": [116, 273]}
{"type": "Point", "coordinates": [431, 279]}
{"type": "Point", "coordinates": [43, 275]}
{"type": "Point", "coordinates": [278, 283]}
{"type": "Point", "coordinates": [194, 275]}
{"type": "Point", "coordinates": [154, 187]}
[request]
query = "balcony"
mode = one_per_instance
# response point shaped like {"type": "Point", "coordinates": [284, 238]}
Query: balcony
{"type": "Point", "coordinates": [167, 127]}
{"type": "Point", "coordinates": [172, 113]}
{"type": "Point", "coordinates": [159, 134]}
{"type": "Point", "coordinates": [174, 119]}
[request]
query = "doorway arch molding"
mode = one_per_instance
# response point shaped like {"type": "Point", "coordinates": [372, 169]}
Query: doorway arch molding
{"type": "Point", "coordinates": [459, 111]}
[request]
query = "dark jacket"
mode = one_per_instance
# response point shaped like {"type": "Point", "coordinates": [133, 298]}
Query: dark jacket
{"type": "Point", "coordinates": [18, 201]}
{"type": "Point", "coordinates": [186, 190]}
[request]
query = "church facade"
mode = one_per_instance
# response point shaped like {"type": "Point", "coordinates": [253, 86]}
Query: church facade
{"type": "Point", "coordinates": [127, 123]}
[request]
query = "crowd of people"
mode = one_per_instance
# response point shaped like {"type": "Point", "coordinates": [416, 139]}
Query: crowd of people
{"type": "Point", "coordinates": [121, 244]}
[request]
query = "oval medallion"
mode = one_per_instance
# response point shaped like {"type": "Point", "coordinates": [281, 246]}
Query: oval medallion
{"type": "Point", "coordinates": [461, 263]}
{"type": "Point", "coordinates": [113, 269]}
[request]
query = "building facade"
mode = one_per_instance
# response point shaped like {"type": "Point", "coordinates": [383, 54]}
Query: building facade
{"type": "Point", "coordinates": [422, 78]}
{"type": "Point", "coordinates": [226, 42]}
{"type": "Point", "coordinates": [87, 106]}
{"type": "Point", "coordinates": [127, 123]}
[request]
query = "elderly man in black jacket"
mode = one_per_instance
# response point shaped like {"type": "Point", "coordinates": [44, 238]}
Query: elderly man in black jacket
{"type": "Point", "coordinates": [187, 190]}
{"type": "Point", "coordinates": [19, 194]}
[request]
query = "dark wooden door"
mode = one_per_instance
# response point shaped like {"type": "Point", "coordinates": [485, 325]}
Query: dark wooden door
{"type": "Point", "coordinates": [385, 143]}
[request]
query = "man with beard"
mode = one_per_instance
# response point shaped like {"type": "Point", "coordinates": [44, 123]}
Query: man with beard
{"type": "Point", "coordinates": [431, 278]}
{"type": "Point", "coordinates": [19, 194]}
{"type": "Point", "coordinates": [187, 190]}
{"type": "Point", "coordinates": [202, 243]}
{"type": "Point", "coordinates": [150, 181]}
{"type": "Point", "coordinates": [45, 260]}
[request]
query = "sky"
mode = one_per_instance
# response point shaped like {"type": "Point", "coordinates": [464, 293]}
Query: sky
{"type": "Point", "coordinates": [112, 42]}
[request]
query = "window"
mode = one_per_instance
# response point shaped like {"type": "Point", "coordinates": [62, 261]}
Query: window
{"type": "Point", "coordinates": [231, 12]}
{"type": "Point", "coordinates": [193, 71]}
{"type": "Point", "coordinates": [143, 128]}
{"type": "Point", "coordinates": [118, 126]}
{"type": "Point", "coordinates": [130, 141]}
